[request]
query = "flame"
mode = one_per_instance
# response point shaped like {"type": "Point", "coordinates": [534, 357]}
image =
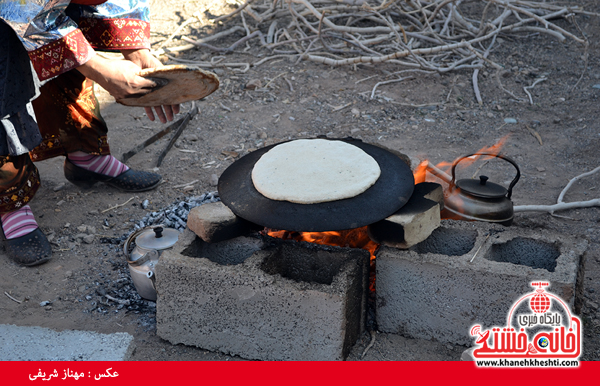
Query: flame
{"type": "Point", "coordinates": [353, 238]}
{"type": "Point", "coordinates": [359, 238]}
{"type": "Point", "coordinates": [421, 175]}
{"type": "Point", "coordinates": [443, 170]}
{"type": "Point", "coordinates": [420, 172]}
{"type": "Point", "coordinates": [493, 150]}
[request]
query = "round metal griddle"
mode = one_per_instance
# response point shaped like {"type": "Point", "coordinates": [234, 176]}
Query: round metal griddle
{"type": "Point", "coordinates": [391, 191]}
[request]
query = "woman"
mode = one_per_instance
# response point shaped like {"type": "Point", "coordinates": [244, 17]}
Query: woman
{"type": "Point", "coordinates": [57, 40]}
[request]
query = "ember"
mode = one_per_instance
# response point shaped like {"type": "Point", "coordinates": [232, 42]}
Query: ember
{"type": "Point", "coordinates": [353, 238]}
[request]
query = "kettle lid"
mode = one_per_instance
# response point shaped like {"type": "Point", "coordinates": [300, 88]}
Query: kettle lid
{"type": "Point", "coordinates": [481, 188]}
{"type": "Point", "coordinates": [157, 238]}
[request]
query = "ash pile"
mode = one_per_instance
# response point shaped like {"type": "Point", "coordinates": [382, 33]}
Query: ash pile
{"type": "Point", "coordinates": [114, 292]}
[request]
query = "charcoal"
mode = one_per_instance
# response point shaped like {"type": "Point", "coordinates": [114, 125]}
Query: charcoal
{"type": "Point", "coordinates": [175, 215]}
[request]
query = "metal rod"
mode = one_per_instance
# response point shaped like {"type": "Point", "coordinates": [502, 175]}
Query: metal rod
{"type": "Point", "coordinates": [150, 140]}
{"type": "Point", "coordinates": [178, 132]}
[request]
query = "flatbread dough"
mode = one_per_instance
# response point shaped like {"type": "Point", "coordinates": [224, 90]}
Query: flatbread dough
{"type": "Point", "coordinates": [176, 84]}
{"type": "Point", "coordinates": [310, 171]}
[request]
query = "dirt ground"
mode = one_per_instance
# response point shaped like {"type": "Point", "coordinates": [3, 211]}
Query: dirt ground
{"type": "Point", "coordinates": [553, 140]}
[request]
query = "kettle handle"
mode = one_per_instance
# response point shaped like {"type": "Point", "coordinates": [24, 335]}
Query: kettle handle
{"type": "Point", "coordinates": [507, 159]}
{"type": "Point", "coordinates": [132, 236]}
{"type": "Point", "coordinates": [146, 257]}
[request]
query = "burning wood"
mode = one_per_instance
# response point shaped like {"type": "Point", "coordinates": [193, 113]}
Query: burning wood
{"type": "Point", "coordinates": [471, 199]}
{"type": "Point", "coordinates": [440, 172]}
{"type": "Point", "coordinates": [354, 238]}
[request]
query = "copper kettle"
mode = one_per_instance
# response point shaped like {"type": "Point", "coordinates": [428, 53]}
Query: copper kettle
{"type": "Point", "coordinates": [480, 200]}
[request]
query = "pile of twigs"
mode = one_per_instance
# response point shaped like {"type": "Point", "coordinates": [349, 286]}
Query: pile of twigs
{"type": "Point", "coordinates": [436, 35]}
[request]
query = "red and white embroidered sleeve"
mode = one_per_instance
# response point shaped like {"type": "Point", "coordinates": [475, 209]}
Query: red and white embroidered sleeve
{"type": "Point", "coordinates": [57, 44]}
{"type": "Point", "coordinates": [114, 25]}
{"type": "Point", "coordinates": [116, 34]}
{"type": "Point", "coordinates": [53, 41]}
{"type": "Point", "coordinates": [61, 55]}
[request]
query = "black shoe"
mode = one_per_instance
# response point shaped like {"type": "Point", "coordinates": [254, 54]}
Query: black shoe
{"type": "Point", "coordinates": [29, 250]}
{"type": "Point", "coordinates": [129, 181]}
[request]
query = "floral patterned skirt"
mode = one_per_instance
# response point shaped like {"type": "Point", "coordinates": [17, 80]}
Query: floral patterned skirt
{"type": "Point", "coordinates": [68, 120]}
{"type": "Point", "coordinates": [68, 115]}
{"type": "Point", "coordinates": [19, 180]}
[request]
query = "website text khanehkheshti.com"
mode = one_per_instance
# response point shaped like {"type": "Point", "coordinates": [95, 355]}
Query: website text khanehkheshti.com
{"type": "Point", "coordinates": [527, 363]}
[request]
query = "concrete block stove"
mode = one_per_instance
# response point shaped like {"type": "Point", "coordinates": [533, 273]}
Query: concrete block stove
{"type": "Point", "coordinates": [469, 273]}
{"type": "Point", "coordinates": [270, 299]}
{"type": "Point", "coordinates": [262, 300]}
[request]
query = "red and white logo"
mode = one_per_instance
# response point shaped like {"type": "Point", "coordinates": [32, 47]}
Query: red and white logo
{"type": "Point", "coordinates": [539, 325]}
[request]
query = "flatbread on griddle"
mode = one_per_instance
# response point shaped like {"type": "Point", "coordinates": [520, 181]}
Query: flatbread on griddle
{"type": "Point", "coordinates": [311, 171]}
{"type": "Point", "coordinates": [183, 84]}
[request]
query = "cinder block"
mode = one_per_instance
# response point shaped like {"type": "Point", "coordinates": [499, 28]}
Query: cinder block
{"type": "Point", "coordinates": [215, 222]}
{"type": "Point", "coordinates": [412, 223]}
{"type": "Point", "coordinates": [284, 301]}
{"type": "Point", "coordinates": [433, 291]}
{"type": "Point", "coordinates": [431, 191]}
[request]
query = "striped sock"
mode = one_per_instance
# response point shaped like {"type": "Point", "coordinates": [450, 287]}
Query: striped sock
{"type": "Point", "coordinates": [101, 164]}
{"type": "Point", "coordinates": [18, 223]}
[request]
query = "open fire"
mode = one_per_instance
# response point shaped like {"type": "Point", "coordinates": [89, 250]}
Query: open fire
{"type": "Point", "coordinates": [443, 169]}
{"type": "Point", "coordinates": [461, 206]}
{"type": "Point", "coordinates": [275, 293]}
{"type": "Point", "coordinates": [353, 238]}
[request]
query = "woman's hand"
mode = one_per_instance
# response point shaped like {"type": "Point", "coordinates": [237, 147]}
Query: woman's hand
{"type": "Point", "coordinates": [118, 77]}
{"type": "Point", "coordinates": [145, 59]}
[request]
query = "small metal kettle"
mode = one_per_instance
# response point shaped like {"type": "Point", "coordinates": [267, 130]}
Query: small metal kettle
{"type": "Point", "coordinates": [150, 242]}
{"type": "Point", "coordinates": [480, 200]}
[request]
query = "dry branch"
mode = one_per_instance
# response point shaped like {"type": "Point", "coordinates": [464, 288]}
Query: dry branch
{"type": "Point", "coordinates": [118, 205]}
{"type": "Point", "coordinates": [11, 298]}
{"type": "Point", "coordinates": [371, 343]}
{"type": "Point", "coordinates": [573, 180]}
{"type": "Point", "coordinates": [387, 82]}
{"type": "Point", "coordinates": [439, 35]}
{"type": "Point", "coordinates": [241, 8]}
{"type": "Point", "coordinates": [560, 204]}
{"type": "Point", "coordinates": [526, 89]}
